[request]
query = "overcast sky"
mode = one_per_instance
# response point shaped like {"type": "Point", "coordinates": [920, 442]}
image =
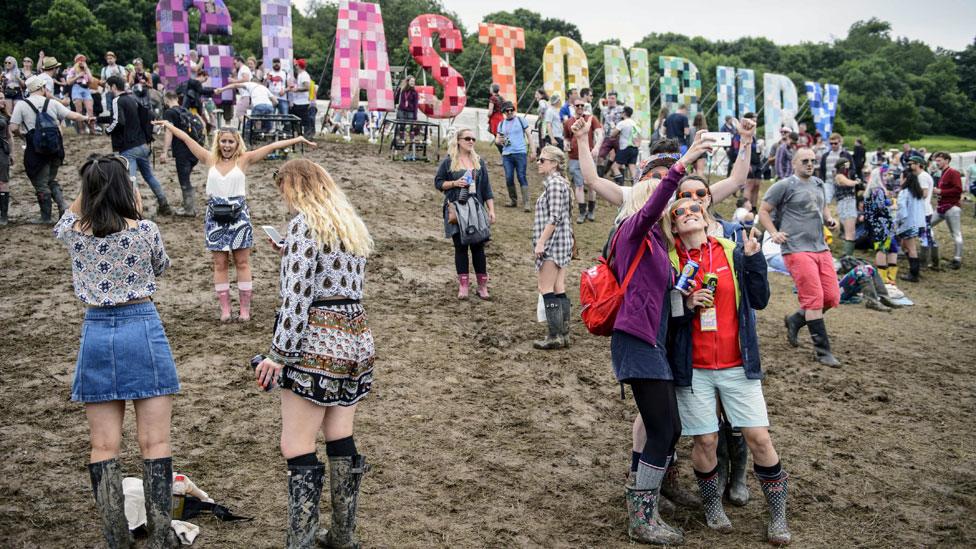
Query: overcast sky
{"type": "Point", "coordinates": [950, 24]}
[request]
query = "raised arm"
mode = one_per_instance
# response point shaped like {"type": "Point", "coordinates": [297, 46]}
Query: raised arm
{"type": "Point", "coordinates": [606, 189]}
{"type": "Point", "coordinates": [259, 154]}
{"type": "Point", "coordinates": [202, 154]}
{"type": "Point", "coordinates": [740, 168]}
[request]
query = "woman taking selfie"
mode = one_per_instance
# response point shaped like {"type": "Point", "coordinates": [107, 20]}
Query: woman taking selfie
{"type": "Point", "coordinates": [322, 350]}
{"type": "Point", "coordinates": [116, 257]}
{"type": "Point", "coordinates": [552, 236]}
{"type": "Point", "coordinates": [228, 220]}
{"type": "Point", "coordinates": [462, 169]}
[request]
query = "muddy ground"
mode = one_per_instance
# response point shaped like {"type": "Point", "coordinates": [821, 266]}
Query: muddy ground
{"type": "Point", "coordinates": [476, 439]}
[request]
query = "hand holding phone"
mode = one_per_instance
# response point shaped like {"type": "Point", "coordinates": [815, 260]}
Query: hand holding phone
{"type": "Point", "coordinates": [720, 139]}
{"type": "Point", "coordinates": [274, 235]}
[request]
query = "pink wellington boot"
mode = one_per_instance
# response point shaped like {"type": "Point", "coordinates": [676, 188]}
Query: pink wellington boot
{"type": "Point", "coordinates": [483, 286]}
{"type": "Point", "coordinates": [463, 285]}
{"type": "Point", "coordinates": [223, 296]}
{"type": "Point", "coordinates": [244, 295]}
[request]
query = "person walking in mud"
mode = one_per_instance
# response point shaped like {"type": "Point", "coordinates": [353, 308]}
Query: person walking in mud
{"type": "Point", "coordinates": [552, 236]}
{"type": "Point", "coordinates": [322, 351]}
{"type": "Point", "coordinates": [116, 258]}
{"type": "Point", "coordinates": [228, 220]}
{"type": "Point", "coordinates": [463, 172]}
{"type": "Point", "coordinates": [714, 354]}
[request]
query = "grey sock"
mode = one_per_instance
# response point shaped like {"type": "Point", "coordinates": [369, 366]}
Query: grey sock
{"type": "Point", "coordinates": [649, 477]}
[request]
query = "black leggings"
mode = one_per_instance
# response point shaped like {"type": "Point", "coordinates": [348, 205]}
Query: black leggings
{"type": "Point", "coordinates": [659, 410]}
{"type": "Point", "coordinates": [461, 256]}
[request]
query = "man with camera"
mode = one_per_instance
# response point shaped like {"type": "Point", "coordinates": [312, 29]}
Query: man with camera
{"type": "Point", "coordinates": [513, 137]}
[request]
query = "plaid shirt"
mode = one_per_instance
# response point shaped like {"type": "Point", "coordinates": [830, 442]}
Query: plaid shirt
{"type": "Point", "coordinates": [553, 208]}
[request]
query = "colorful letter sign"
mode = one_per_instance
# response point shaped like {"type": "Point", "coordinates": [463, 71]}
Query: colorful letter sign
{"type": "Point", "coordinates": [728, 81]}
{"type": "Point", "coordinates": [173, 34]}
{"type": "Point", "coordinates": [631, 84]}
{"type": "Point", "coordinates": [276, 38]}
{"type": "Point", "coordinates": [577, 70]}
{"type": "Point", "coordinates": [421, 33]}
{"type": "Point", "coordinates": [780, 106]}
{"type": "Point", "coordinates": [360, 37]}
{"type": "Point", "coordinates": [823, 105]}
{"type": "Point", "coordinates": [503, 40]}
{"type": "Point", "coordinates": [218, 59]}
{"type": "Point", "coordinates": [680, 84]}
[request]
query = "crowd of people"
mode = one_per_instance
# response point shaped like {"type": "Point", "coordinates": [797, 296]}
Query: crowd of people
{"type": "Point", "coordinates": [684, 338]}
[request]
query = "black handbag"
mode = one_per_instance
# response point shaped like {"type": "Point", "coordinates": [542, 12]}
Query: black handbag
{"type": "Point", "coordinates": [226, 213]}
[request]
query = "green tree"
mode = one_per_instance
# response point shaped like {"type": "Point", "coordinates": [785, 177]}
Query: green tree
{"type": "Point", "coordinates": [68, 28]}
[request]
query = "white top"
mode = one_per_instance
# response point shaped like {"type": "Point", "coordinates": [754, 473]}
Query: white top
{"type": "Point", "coordinates": [260, 95]}
{"type": "Point", "coordinates": [225, 186]}
{"type": "Point", "coordinates": [48, 81]}
{"type": "Point", "coordinates": [277, 80]}
{"type": "Point", "coordinates": [925, 181]}
{"type": "Point", "coordinates": [628, 132]}
{"type": "Point", "coordinates": [24, 116]}
{"type": "Point", "coordinates": [243, 75]}
{"type": "Point", "coordinates": [301, 97]}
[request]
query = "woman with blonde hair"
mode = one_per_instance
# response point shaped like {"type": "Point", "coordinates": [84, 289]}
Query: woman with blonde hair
{"type": "Point", "coordinates": [322, 350]}
{"type": "Point", "coordinates": [463, 170]}
{"type": "Point", "coordinates": [658, 129]}
{"type": "Point", "coordinates": [227, 222]}
{"type": "Point", "coordinates": [552, 236]}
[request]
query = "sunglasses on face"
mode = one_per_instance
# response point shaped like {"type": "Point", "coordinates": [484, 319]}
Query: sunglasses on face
{"type": "Point", "coordinates": [506, 111]}
{"type": "Point", "coordinates": [541, 160]}
{"type": "Point", "coordinates": [808, 161]}
{"type": "Point", "coordinates": [835, 142]}
{"type": "Point", "coordinates": [469, 139]}
{"type": "Point", "coordinates": [684, 210]}
{"type": "Point", "coordinates": [700, 193]}
{"type": "Point", "coordinates": [580, 106]}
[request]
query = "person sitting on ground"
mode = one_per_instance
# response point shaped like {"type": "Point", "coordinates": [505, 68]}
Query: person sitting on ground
{"type": "Point", "coordinates": [552, 239]}
{"type": "Point", "coordinates": [714, 354]}
{"type": "Point", "coordinates": [228, 220]}
{"type": "Point", "coordinates": [462, 167]}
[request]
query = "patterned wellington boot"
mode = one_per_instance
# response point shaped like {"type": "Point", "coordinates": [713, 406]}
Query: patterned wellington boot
{"type": "Point", "coordinates": [106, 480]}
{"type": "Point", "coordinates": [664, 504]}
{"type": "Point", "coordinates": [346, 474]}
{"type": "Point", "coordinates": [711, 497]}
{"type": "Point", "coordinates": [157, 484]}
{"type": "Point", "coordinates": [304, 491]}
{"type": "Point", "coordinates": [777, 531]}
{"type": "Point", "coordinates": [644, 523]}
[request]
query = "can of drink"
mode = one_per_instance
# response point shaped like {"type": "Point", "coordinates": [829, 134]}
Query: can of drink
{"type": "Point", "coordinates": [710, 281]}
{"type": "Point", "coordinates": [255, 361]}
{"type": "Point", "coordinates": [686, 282]}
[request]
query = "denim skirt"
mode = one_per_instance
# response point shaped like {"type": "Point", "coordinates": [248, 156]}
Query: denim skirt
{"type": "Point", "coordinates": [124, 355]}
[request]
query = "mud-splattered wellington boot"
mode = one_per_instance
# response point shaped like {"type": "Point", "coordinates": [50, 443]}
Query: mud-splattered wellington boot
{"type": "Point", "coordinates": [304, 491]}
{"type": "Point", "coordinates": [345, 474]}
{"type": "Point", "coordinates": [106, 480]}
{"type": "Point", "coordinates": [157, 484]}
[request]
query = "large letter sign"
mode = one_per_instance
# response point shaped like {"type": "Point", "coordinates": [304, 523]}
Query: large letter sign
{"type": "Point", "coordinates": [276, 38]}
{"type": "Point", "coordinates": [729, 81]}
{"type": "Point", "coordinates": [421, 32]}
{"type": "Point", "coordinates": [746, 80]}
{"type": "Point", "coordinates": [632, 85]}
{"type": "Point", "coordinates": [577, 71]}
{"type": "Point", "coordinates": [680, 84]}
{"type": "Point", "coordinates": [359, 34]}
{"type": "Point", "coordinates": [780, 105]}
{"type": "Point", "coordinates": [173, 36]}
{"type": "Point", "coordinates": [503, 40]}
{"type": "Point", "coordinates": [218, 59]}
{"type": "Point", "coordinates": [823, 105]}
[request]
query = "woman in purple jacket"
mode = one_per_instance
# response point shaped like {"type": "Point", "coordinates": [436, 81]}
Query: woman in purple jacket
{"type": "Point", "coordinates": [637, 347]}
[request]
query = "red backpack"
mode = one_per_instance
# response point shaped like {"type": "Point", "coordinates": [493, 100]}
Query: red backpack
{"type": "Point", "coordinates": [601, 294]}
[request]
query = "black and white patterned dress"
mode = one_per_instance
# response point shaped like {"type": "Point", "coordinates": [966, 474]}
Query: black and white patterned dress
{"type": "Point", "coordinates": [326, 346]}
{"type": "Point", "coordinates": [553, 208]}
{"type": "Point", "coordinates": [227, 189]}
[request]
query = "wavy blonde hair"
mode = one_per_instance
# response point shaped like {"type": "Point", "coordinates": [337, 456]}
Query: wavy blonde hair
{"type": "Point", "coordinates": [310, 189]}
{"type": "Point", "coordinates": [215, 147]}
{"type": "Point", "coordinates": [640, 193]}
{"type": "Point", "coordinates": [454, 149]}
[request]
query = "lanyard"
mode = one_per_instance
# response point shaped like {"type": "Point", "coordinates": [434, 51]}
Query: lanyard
{"type": "Point", "coordinates": [701, 257]}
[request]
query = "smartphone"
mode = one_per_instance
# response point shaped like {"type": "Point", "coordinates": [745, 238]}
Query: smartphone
{"type": "Point", "coordinates": [273, 234]}
{"type": "Point", "coordinates": [722, 139]}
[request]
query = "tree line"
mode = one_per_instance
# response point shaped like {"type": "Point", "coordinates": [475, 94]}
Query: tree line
{"type": "Point", "coordinates": [891, 88]}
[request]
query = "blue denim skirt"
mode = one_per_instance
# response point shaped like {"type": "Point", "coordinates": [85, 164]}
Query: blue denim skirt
{"type": "Point", "coordinates": [124, 355]}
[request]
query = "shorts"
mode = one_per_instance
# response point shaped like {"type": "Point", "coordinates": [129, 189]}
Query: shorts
{"type": "Point", "coordinates": [608, 144]}
{"type": "Point", "coordinates": [847, 208]}
{"type": "Point", "coordinates": [742, 401]}
{"type": "Point", "coordinates": [815, 279]}
{"type": "Point", "coordinates": [755, 172]}
{"type": "Point", "coordinates": [575, 173]}
{"type": "Point", "coordinates": [80, 92]}
{"type": "Point", "coordinates": [908, 233]}
{"type": "Point", "coordinates": [124, 355]}
{"type": "Point", "coordinates": [627, 157]}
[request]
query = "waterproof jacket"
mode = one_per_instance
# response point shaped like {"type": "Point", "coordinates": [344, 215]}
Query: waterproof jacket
{"type": "Point", "coordinates": [751, 294]}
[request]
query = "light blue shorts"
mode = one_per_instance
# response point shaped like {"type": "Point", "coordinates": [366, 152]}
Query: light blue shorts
{"type": "Point", "coordinates": [575, 173]}
{"type": "Point", "coordinates": [742, 400]}
{"type": "Point", "coordinates": [80, 92]}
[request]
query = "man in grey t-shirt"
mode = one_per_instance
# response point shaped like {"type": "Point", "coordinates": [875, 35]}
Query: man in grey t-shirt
{"type": "Point", "coordinates": [800, 204]}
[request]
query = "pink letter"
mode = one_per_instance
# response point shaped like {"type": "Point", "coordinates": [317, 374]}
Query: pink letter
{"type": "Point", "coordinates": [173, 35]}
{"type": "Point", "coordinates": [359, 33]}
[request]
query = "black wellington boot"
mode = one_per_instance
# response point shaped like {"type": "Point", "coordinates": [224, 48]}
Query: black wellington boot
{"type": "Point", "coordinates": [58, 196]}
{"type": "Point", "coordinates": [345, 475]}
{"type": "Point", "coordinates": [106, 480]}
{"type": "Point", "coordinates": [793, 323]}
{"type": "Point", "coordinates": [738, 460]}
{"type": "Point", "coordinates": [304, 492]}
{"type": "Point", "coordinates": [44, 203]}
{"type": "Point", "coordinates": [157, 484]}
{"type": "Point", "coordinates": [554, 320]}
{"type": "Point", "coordinates": [821, 343]}
{"type": "Point", "coordinates": [4, 207]}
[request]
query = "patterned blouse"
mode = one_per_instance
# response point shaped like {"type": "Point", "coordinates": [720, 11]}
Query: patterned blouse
{"type": "Point", "coordinates": [553, 208]}
{"type": "Point", "coordinates": [310, 272]}
{"type": "Point", "coordinates": [120, 267]}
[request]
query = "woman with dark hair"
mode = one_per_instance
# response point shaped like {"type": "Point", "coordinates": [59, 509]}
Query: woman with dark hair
{"type": "Point", "coordinates": [462, 169]}
{"type": "Point", "coordinates": [407, 109]}
{"type": "Point", "coordinates": [910, 220]}
{"type": "Point", "coordinates": [495, 116]}
{"type": "Point", "coordinates": [116, 257]}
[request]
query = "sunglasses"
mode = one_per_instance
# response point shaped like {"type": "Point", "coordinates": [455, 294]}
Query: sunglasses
{"type": "Point", "coordinates": [700, 193]}
{"type": "Point", "coordinates": [540, 160]}
{"type": "Point", "coordinates": [683, 210]}
{"type": "Point", "coordinates": [810, 161]}
{"type": "Point", "coordinates": [580, 106]}
{"type": "Point", "coordinates": [506, 111]}
{"type": "Point", "coordinates": [835, 142]}
{"type": "Point", "coordinates": [469, 139]}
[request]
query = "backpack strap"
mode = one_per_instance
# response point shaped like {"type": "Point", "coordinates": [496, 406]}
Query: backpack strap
{"type": "Point", "coordinates": [46, 102]}
{"type": "Point", "coordinates": [633, 264]}
{"type": "Point", "coordinates": [33, 108]}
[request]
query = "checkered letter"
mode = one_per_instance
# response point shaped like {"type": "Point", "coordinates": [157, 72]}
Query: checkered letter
{"type": "Point", "coordinates": [779, 105]}
{"type": "Point", "coordinates": [173, 35]}
{"type": "Point", "coordinates": [631, 82]}
{"type": "Point", "coordinates": [361, 59]}
{"type": "Point", "coordinates": [823, 105]}
{"type": "Point", "coordinates": [421, 33]}
{"type": "Point", "coordinates": [504, 40]}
